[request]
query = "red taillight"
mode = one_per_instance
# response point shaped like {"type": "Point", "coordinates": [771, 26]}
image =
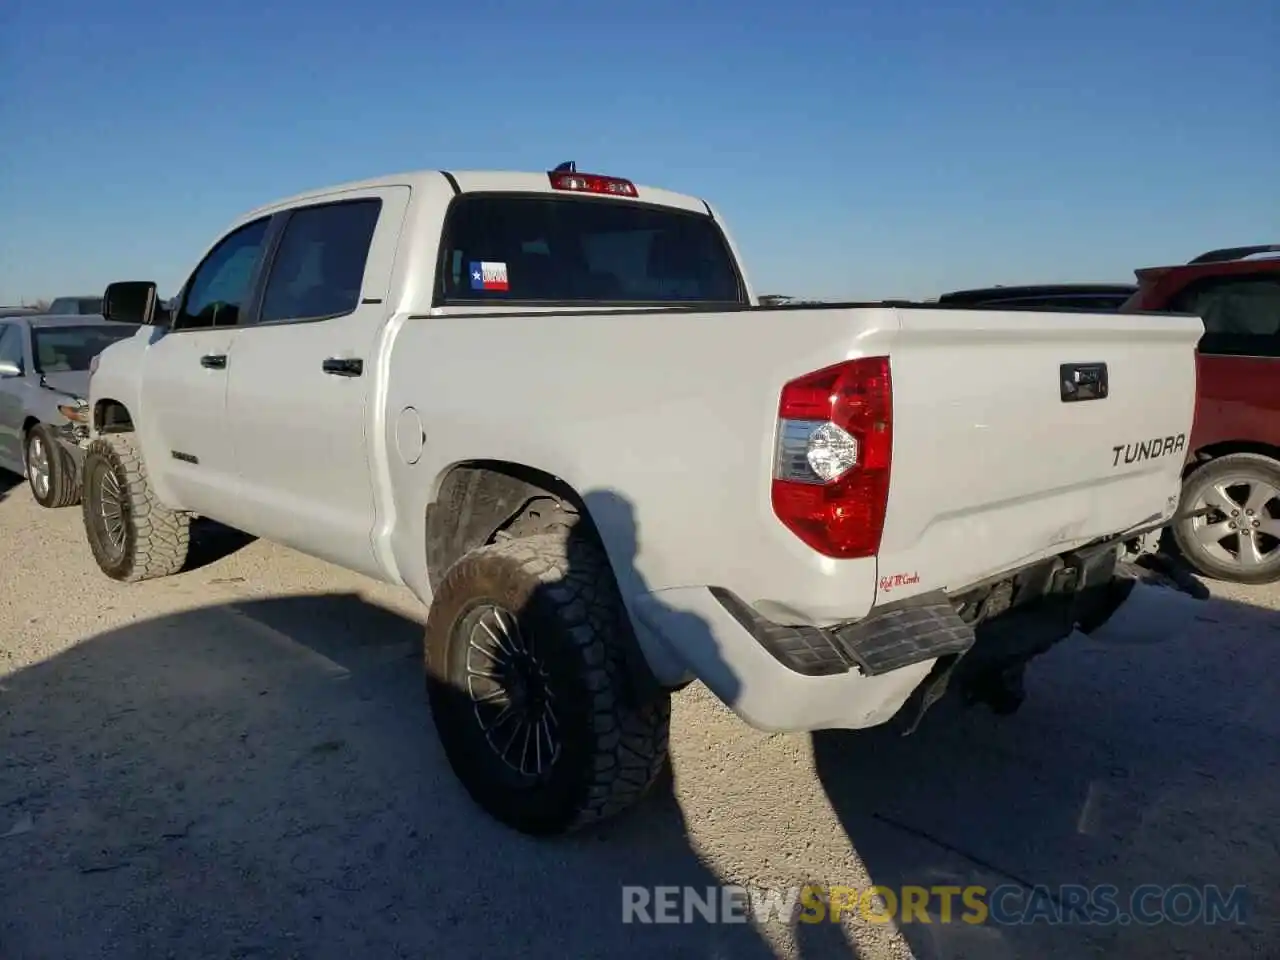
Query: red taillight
{"type": "Point", "coordinates": [592, 183]}
{"type": "Point", "coordinates": [843, 516]}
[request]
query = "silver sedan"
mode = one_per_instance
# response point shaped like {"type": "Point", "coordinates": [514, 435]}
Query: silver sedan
{"type": "Point", "coordinates": [44, 388]}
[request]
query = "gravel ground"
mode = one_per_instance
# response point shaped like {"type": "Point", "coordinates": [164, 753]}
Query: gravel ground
{"type": "Point", "coordinates": [238, 762]}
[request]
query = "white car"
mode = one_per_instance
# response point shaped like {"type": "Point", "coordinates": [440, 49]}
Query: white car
{"type": "Point", "coordinates": [550, 405]}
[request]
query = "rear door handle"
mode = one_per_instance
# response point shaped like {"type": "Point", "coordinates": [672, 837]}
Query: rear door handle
{"type": "Point", "coordinates": [1083, 381]}
{"type": "Point", "coordinates": [214, 361]}
{"type": "Point", "coordinates": [343, 366]}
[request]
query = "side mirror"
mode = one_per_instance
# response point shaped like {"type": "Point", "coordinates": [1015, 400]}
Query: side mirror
{"type": "Point", "coordinates": [9, 369]}
{"type": "Point", "coordinates": [131, 301]}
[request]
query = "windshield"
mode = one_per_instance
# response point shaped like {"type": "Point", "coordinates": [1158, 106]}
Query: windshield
{"type": "Point", "coordinates": [518, 248]}
{"type": "Point", "coordinates": [64, 349]}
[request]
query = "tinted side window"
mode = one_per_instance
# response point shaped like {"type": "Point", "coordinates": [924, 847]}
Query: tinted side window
{"type": "Point", "coordinates": [318, 268]}
{"type": "Point", "coordinates": [11, 343]}
{"type": "Point", "coordinates": [577, 249]}
{"type": "Point", "coordinates": [1241, 317]}
{"type": "Point", "coordinates": [220, 286]}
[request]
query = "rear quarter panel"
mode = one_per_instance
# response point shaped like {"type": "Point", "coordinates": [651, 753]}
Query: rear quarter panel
{"type": "Point", "coordinates": [1239, 401]}
{"type": "Point", "coordinates": [664, 422]}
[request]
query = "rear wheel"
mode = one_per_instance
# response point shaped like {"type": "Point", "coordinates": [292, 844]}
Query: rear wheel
{"type": "Point", "coordinates": [51, 470]}
{"type": "Point", "coordinates": [1238, 538]}
{"type": "Point", "coordinates": [528, 680]}
{"type": "Point", "coordinates": [133, 535]}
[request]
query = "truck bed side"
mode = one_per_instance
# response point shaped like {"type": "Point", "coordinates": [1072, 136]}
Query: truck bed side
{"type": "Point", "coordinates": [664, 421]}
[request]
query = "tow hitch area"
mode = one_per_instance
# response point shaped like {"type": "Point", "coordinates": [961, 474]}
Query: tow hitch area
{"type": "Point", "coordinates": [1018, 618]}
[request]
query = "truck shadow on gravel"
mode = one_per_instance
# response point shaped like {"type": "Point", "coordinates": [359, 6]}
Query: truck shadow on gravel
{"type": "Point", "coordinates": [1144, 755]}
{"type": "Point", "coordinates": [262, 779]}
{"type": "Point", "coordinates": [9, 482]}
{"type": "Point", "coordinates": [212, 542]}
{"type": "Point", "coordinates": [204, 785]}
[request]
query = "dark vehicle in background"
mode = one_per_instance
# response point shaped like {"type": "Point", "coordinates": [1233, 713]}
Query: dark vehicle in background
{"type": "Point", "coordinates": [1231, 492]}
{"type": "Point", "coordinates": [44, 388]}
{"type": "Point", "coordinates": [1104, 297]}
{"type": "Point", "coordinates": [78, 306]}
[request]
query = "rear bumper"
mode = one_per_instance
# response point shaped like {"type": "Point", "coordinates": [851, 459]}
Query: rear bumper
{"type": "Point", "coordinates": [859, 674]}
{"type": "Point", "coordinates": [775, 678]}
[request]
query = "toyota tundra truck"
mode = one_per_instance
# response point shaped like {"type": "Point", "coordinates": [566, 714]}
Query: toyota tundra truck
{"type": "Point", "coordinates": [551, 406]}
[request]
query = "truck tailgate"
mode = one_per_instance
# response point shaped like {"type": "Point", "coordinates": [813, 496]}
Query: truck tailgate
{"type": "Point", "coordinates": [994, 465]}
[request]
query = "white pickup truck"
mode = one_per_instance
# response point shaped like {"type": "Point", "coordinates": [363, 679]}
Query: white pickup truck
{"type": "Point", "coordinates": [550, 405]}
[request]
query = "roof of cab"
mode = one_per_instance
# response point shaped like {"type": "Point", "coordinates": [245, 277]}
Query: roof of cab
{"type": "Point", "coordinates": [479, 181]}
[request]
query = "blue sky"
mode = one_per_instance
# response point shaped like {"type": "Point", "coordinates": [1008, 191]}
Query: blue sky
{"type": "Point", "coordinates": [862, 150]}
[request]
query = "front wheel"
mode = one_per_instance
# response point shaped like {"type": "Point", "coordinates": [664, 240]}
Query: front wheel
{"type": "Point", "coordinates": [528, 680]}
{"type": "Point", "coordinates": [51, 470]}
{"type": "Point", "coordinates": [133, 535]}
{"type": "Point", "coordinates": [1237, 538]}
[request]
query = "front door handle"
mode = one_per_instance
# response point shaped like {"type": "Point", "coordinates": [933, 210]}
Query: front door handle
{"type": "Point", "coordinates": [343, 366]}
{"type": "Point", "coordinates": [214, 361]}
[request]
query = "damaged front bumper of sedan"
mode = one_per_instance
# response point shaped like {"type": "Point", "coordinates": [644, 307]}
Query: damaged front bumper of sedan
{"type": "Point", "coordinates": [74, 432]}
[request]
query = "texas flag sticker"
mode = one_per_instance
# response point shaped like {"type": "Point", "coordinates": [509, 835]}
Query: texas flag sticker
{"type": "Point", "coordinates": [488, 276]}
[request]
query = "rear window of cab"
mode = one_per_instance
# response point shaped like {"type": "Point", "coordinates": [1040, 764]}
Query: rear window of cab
{"type": "Point", "coordinates": [536, 249]}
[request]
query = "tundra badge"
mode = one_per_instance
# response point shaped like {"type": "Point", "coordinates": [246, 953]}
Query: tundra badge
{"type": "Point", "coordinates": [1149, 449]}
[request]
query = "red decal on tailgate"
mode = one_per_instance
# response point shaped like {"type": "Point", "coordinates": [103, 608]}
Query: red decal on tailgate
{"type": "Point", "coordinates": [898, 580]}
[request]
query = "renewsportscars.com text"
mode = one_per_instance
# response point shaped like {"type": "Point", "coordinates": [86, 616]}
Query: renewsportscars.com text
{"type": "Point", "coordinates": [1005, 905]}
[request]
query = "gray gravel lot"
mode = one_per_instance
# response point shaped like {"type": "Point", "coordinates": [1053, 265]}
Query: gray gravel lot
{"type": "Point", "coordinates": [238, 762]}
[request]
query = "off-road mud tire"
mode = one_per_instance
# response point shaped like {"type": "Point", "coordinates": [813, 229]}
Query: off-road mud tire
{"type": "Point", "coordinates": [156, 539]}
{"type": "Point", "coordinates": [614, 740]}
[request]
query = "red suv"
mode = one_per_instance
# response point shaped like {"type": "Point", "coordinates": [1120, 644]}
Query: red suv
{"type": "Point", "coordinates": [1231, 487]}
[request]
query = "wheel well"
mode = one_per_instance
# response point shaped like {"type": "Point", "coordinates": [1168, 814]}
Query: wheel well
{"type": "Point", "coordinates": [28, 424]}
{"type": "Point", "coordinates": [479, 500]}
{"type": "Point", "coordinates": [1213, 451]}
{"type": "Point", "coordinates": [111, 416]}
